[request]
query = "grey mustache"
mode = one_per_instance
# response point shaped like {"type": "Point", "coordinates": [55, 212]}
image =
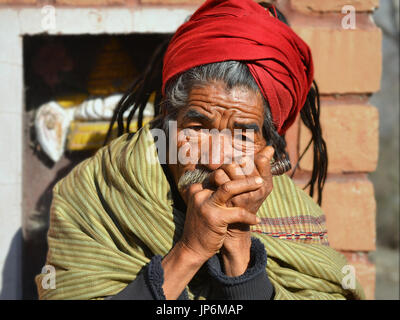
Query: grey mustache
{"type": "Point", "coordinates": [202, 175]}
{"type": "Point", "coordinates": [192, 177]}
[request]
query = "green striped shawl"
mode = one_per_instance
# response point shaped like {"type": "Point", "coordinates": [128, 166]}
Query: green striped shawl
{"type": "Point", "coordinates": [114, 210]}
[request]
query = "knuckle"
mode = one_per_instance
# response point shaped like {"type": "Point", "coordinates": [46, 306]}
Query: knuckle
{"type": "Point", "coordinates": [197, 199]}
{"type": "Point", "coordinates": [234, 168]}
{"type": "Point", "coordinates": [250, 180]}
{"type": "Point", "coordinates": [219, 173]}
{"type": "Point", "coordinates": [219, 176]}
{"type": "Point", "coordinates": [226, 188]}
{"type": "Point", "coordinates": [260, 194]}
{"type": "Point", "coordinates": [262, 159]}
{"type": "Point", "coordinates": [212, 220]}
{"type": "Point", "coordinates": [205, 212]}
{"type": "Point", "coordinates": [237, 201]}
{"type": "Point", "coordinates": [241, 213]}
{"type": "Point", "coordinates": [191, 190]}
{"type": "Point", "coordinates": [211, 217]}
{"type": "Point", "coordinates": [245, 198]}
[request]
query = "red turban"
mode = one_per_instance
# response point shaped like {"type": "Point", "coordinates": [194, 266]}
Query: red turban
{"type": "Point", "coordinates": [243, 30]}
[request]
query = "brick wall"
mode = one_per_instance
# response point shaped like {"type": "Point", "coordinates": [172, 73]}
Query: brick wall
{"type": "Point", "coordinates": [347, 70]}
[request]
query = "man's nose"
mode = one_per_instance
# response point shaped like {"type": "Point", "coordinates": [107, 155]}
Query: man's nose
{"type": "Point", "coordinates": [216, 152]}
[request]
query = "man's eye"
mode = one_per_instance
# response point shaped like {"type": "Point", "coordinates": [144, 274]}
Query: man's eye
{"type": "Point", "coordinates": [196, 128]}
{"type": "Point", "coordinates": [244, 138]}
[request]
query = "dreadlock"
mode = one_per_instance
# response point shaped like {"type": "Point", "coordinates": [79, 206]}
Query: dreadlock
{"type": "Point", "coordinates": [310, 114]}
{"type": "Point", "coordinates": [150, 81]}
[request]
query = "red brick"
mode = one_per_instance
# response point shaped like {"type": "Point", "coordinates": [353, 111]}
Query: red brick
{"type": "Point", "coordinates": [351, 132]}
{"type": "Point", "coordinates": [90, 2]}
{"type": "Point", "coordinates": [336, 5]}
{"type": "Point", "coordinates": [345, 60]}
{"type": "Point", "coordinates": [365, 271]}
{"type": "Point", "coordinates": [349, 206]}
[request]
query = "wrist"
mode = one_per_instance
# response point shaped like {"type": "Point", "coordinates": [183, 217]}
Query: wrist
{"type": "Point", "coordinates": [181, 258]}
{"type": "Point", "coordinates": [188, 256]}
{"type": "Point", "coordinates": [237, 244]}
{"type": "Point", "coordinates": [179, 265]}
{"type": "Point", "coordinates": [236, 261]}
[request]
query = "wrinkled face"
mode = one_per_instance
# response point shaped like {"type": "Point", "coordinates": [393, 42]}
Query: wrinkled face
{"type": "Point", "coordinates": [216, 127]}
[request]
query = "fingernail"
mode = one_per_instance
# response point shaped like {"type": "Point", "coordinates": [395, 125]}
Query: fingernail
{"type": "Point", "coordinates": [258, 220]}
{"type": "Point", "coordinates": [259, 180]}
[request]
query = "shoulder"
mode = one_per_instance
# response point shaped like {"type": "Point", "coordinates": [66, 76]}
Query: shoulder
{"type": "Point", "coordinates": [84, 174]}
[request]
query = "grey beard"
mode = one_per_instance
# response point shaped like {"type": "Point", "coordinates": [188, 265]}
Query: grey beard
{"type": "Point", "coordinates": [192, 177]}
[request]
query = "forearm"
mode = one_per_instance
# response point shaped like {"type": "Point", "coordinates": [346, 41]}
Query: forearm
{"type": "Point", "coordinates": [147, 284]}
{"type": "Point", "coordinates": [164, 278]}
{"type": "Point", "coordinates": [179, 265]}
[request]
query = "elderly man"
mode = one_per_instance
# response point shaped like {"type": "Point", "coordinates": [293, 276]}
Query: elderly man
{"type": "Point", "coordinates": [195, 204]}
